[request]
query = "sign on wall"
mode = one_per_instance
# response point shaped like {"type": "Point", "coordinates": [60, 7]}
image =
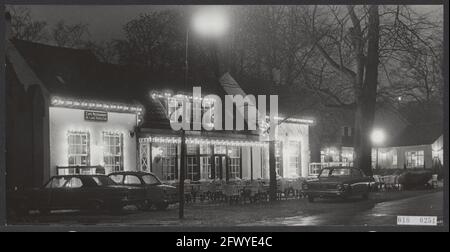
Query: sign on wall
{"type": "Point", "coordinates": [95, 116]}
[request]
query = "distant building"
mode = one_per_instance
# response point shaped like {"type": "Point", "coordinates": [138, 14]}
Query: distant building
{"type": "Point", "coordinates": [419, 146]}
{"type": "Point", "coordinates": [407, 146]}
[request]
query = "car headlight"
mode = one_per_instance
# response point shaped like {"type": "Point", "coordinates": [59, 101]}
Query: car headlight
{"type": "Point", "coordinates": [305, 186]}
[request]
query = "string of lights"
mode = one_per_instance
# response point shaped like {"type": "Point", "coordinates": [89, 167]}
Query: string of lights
{"type": "Point", "coordinates": [201, 141]}
{"type": "Point", "coordinates": [86, 104]}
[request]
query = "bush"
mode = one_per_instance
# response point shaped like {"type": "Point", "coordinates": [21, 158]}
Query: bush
{"type": "Point", "coordinates": [415, 179]}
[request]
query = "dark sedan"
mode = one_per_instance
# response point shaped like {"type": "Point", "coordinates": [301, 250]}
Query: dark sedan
{"type": "Point", "coordinates": [157, 194]}
{"type": "Point", "coordinates": [76, 192]}
{"type": "Point", "coordinates": [338, 182]}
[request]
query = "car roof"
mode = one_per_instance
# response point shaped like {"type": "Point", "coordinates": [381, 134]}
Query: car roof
{"type": "Point", "coordinates": [340, 167]}
{"type": "Point", "coordinates": [79, 175]}
{"type": "Point", "coordinates": [131, 173]}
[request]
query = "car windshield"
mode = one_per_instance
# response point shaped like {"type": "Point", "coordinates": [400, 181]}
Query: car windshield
{"type": "Point", "coordinates": [335, 172]}
{"type": "Point", "coordinates": [151, 180]}
{"type": "Point", "coordinates": [103, 181]}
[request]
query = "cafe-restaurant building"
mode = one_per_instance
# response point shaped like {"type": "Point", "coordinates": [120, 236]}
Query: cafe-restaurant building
{"type": "Point", "coordinates": [86, 116]}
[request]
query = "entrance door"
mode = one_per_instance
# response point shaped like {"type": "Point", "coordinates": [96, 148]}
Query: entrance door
{"type": "Point", "coordinates": [220, 164]}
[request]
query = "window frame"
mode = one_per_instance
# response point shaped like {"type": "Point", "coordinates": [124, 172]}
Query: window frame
{"type": "Point", "coordinates": [73, 146]}
{"type": "Point", "coordinates": [117, 140]}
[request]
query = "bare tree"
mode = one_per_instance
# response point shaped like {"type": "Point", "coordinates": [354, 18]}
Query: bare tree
{"type": "Point", "coordinates": [23, 27]}
{"type": "Point", "coordinates": [70, 35]}
{"type": "Point", "coordinates": [154, 40]}
{"type": "Point", "coordinates": [349, 57]}
{"type": "Point", "coordinates": [106, 51]}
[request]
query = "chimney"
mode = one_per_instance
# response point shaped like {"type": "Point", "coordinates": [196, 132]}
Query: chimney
{"type": "Point", "coordinates": [8, 30]}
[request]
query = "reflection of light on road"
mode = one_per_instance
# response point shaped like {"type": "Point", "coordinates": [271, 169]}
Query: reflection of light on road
{"type": "Point", "coordinates": [291, 221]}
{"type": "Point", "coordinates": [301, 221]}
{"type": "Point", "coordinates": [380, 215]}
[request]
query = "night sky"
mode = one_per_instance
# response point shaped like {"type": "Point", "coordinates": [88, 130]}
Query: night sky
{"type": "Point", "coordinates": [106, 22]}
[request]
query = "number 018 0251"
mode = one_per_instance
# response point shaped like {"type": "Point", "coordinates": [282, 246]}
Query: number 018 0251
{"type": "Point", "coordinates": [417, 220]}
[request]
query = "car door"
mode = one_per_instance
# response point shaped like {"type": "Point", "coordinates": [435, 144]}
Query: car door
{"type": "Point", "coordinates": [138, 189]}
{"type": "Point", "coordinates": [73, 194]}
{"type": "Point", "coordinates": [154, 193]}
{"type": "Point", "coordinates": [57, 193]}
{"type": "Point", "coordinates": [44, 196]}
{"type": "Point", "coordinates": [359, 185]}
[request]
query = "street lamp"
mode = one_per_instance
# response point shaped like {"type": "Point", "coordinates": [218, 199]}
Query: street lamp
{"type": "Point", "coordinates": [378, 136]}
{"type": "Point", "coordinates": [210, 22]}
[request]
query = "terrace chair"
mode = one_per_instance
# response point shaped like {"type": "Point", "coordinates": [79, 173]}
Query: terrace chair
{"type": "Point", "coordinates": [297, 187]}
{"type": "Point", "coordinates": [204, 190]}
{"type": "Point", "coordinates": [379, 183]}
{"type": "Point", "coordinates": [219, 191]}
{"type": "Point", "coordinates": [251, 191]}
{"type": "Point", "coordinates": [389, 182]}
{"type": "Point", "coordinates": [188, 192]}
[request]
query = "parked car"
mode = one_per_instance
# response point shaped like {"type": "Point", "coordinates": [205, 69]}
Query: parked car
{"type": "Point", "coordinates": [156, 193]}
{"type": "Point", "coordinates": [338, 182]}
{"type": "Point", "coordinates": [76, 192]}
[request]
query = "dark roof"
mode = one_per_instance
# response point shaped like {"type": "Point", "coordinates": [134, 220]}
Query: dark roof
{"type": "Point", "coordinates": [419, 134]}
{"type": "Point", "coordinates": [77, 73]}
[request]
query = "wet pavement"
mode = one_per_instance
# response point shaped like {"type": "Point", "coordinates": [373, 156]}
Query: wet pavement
{"type": "Point", "coordinates": [380, 209]}
{"type": "Point", "coordinates": [371, 214]}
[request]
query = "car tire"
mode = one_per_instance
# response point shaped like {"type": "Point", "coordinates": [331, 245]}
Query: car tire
{"type": "Point", "coordinates": [311, 199]}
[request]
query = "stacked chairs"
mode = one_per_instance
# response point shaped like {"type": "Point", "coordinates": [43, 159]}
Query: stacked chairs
{"type": "Point", "coordinates": [231, 194]}
{"type": "Point", "coordinates": [217, 190]}
{"type": "Point", "coordinates": [204, 191]}
{"type": "Point", "coordinates": [264, 186]}
{"type": "Point", "coordinates": [188, 192]}
{"type": "Point", "coordinates": [379, 183]}
{"type": "Point", "coordinates": [282, 188]}
{"type": "Point", "coordinates": [297, 187]}
{"type": "Point", "coordinates": [389, 182]}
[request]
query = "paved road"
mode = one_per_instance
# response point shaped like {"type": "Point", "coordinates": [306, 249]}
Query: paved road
{"type": "Point", "coordinates": [381, 209]}
{"type": "Point", "coordinates": [370, 214]}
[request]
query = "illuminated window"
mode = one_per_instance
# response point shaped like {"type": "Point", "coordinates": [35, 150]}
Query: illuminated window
{"type": "Point", "coordinates": [169, 162]}
{"type": "Point", "coordinates": [279, 158]}
{"type": "Point", "coordinates": [113, 151]}
{"type": "Point", "coordinates": [294, 156]}
{"type": "Point", "coordinates": [206, 165]}
{"type": "Point", "coordinates": [234, 155]}
{"type": "Point", "coordinates": [220, 149]}
{"type": "Point", "coordinates": [206, 162]}
{"type": "Point", "coordinates": [394, 160]}
{"type": "Point", "coordinates": [78, 149]}
{"type": "Point", "coordinates": [192, 169]}
{"type": "Point", "coordinates": [414, 159]}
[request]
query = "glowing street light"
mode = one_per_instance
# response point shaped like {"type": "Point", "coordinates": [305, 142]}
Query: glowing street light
{"type": "Point", "coordinates": [210, 22]}
{"type": "Point", "coordinates": [378, 136]}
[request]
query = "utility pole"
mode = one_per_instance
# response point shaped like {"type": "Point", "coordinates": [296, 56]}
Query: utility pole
{"type": "Point", "coordinates": [182, 174]}
{"type": "Point", "coordinates": [272, 172]}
